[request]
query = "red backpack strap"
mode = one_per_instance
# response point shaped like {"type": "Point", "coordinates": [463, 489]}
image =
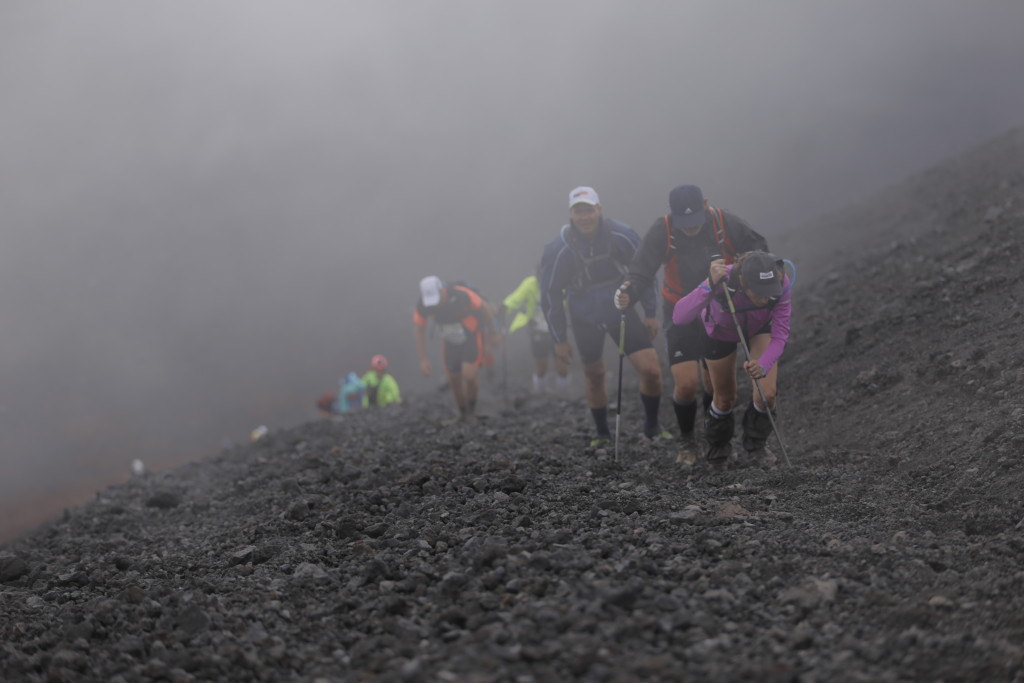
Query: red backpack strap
{"type": "Point", "coordinates": [721, 236]}
{"type": "Point", "coordinates": [671, 288]}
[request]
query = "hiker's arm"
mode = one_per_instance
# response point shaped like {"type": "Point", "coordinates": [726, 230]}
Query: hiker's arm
{"type": "Point", "coordinates": [649, 302]}
{"type": "Point", "coordinates": [523, 302]}
{"type": "Point", "coordinates": [518, 298]}
{"type": "Point", "coordinates": [552, 298]}
{"type": "Point", "coordinates": [646, 261]}
{"type": "Point", "coordinates": [781, 313]}
{"type": "Point", "coordinates": [689, 307]}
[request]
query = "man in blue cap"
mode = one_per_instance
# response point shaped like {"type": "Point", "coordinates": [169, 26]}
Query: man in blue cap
{"type": "Point", "coordinates": [686, 241]}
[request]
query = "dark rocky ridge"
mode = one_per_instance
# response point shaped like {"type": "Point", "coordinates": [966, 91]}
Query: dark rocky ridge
{"type": "Point", "coordinates": [383, 547]}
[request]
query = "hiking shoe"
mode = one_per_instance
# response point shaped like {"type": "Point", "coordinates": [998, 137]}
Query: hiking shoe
{"type": "Point", "coordinates": [763, 456]}
{"type": "Point", "coordinates": [688, 451]}
{"type": "Point", "coordinates": [659, 436]}
{"type": "Point", "coordinates": [601, 442]}
{"type": "Point", "coordinates": [462, 418]}
{"type": "Point", "coordinates": [719, 455]}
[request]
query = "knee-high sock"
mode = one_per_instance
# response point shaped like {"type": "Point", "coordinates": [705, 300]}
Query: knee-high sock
{"type": "Point", "coordinates": [686, 415]}
{"type": "Point", "coordinates": [651, 404]}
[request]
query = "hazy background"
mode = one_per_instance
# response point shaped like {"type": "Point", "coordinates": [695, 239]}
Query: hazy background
{"type": "Point", "coordinates": [211, 209]}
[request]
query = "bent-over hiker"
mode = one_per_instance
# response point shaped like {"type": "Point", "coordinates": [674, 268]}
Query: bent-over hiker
{"type": "Point", "coordinates": [761, 295]}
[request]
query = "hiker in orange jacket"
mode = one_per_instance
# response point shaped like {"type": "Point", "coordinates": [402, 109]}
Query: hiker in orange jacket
{"type": "Point", "coordinates": [462, 318]}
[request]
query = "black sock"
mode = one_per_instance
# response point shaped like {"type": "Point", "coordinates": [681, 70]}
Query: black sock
{"type": "Point", "coordinates": [686, 415]}
{"type": "Point", "coordinates": [601, 421]}
{"type": "Point", "coordinates": [707, 401]}
{"type": "Point", "coordinates": [651, 404]}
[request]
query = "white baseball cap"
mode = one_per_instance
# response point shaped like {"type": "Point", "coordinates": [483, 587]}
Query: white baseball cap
{"type": "Point", "coordinates": [430, 290]}
{"type": "Point", "coordinates": [583, 195]}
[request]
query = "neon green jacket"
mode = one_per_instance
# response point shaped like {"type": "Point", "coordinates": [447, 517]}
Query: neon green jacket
{"type": "Point", "coordinates": [384, 386]}
{"type": "Point", "coordinates": [525, 297]}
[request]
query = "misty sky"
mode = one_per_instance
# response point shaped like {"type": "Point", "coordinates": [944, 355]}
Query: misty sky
{"type": "Point", "coordinates": [212, 209]}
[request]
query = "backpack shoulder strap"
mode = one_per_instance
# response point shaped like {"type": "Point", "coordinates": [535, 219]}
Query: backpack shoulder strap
{"type": "Point", "coordinates": [668, 238]}
{"type": "Point", "coordinates": [721, 236]}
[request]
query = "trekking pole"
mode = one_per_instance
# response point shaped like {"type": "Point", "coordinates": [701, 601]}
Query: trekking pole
{"type": "Point", "coordinates": [504, 368]}
{"type": "Point", "coordinates": [757, 383]}
{"type": "Point", "coordinates": [618, 401]}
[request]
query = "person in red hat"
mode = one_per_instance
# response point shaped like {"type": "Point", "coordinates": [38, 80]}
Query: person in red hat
{"type": "Point", "coordinates": [381, 386]}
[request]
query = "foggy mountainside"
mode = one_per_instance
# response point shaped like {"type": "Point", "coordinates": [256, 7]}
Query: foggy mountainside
{"type": "Point", "coordinates": [382, 547]}
{"type": "Point", "coordinates": [211, 210]}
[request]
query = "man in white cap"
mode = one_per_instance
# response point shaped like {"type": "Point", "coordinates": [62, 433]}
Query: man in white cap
{"type": "Point", "coordinates": [582, 267]}
{"type": "Point", "coordinates": [462, 316]}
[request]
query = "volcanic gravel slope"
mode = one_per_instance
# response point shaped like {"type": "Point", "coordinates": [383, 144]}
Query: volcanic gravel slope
{"type": "Point", "coordinates": [382, 547]}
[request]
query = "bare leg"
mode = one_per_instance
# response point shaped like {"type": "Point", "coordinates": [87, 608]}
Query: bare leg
{"type": "Point", "coordinates": [458, 389]}
{"type": "Point", "coordinates": [723, 382]}
{"type": "Point", "coordinates": [646, 363]}
{"type": "Point", "coordinates": [684, 376]}
{"type": "Point", "coordinates": [596, 391]}
{"type": "Point", "coordinates": [561, 367]}
{"type": "Point", "coordinates": [470, 375]}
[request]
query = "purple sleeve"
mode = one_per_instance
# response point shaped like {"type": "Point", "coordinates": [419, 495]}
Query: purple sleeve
{"type": "Point", "coordinates": [689, 307]}
{"type": "Point", "coordinates": [780, 330]}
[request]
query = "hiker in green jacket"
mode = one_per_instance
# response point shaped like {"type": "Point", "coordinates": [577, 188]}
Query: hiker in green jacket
{"type": "Point", "coordinates": [523, 302]}
{"type": "Point", "coordinates": [381, 387]}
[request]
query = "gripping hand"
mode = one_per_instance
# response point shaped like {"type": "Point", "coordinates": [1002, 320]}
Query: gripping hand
{"type": "Point", "coordinates": [622, 296]}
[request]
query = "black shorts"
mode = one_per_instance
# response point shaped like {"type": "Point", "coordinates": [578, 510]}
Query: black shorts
{"type": "Point", "coordinates": [541, 343]}
{"type": "Point", "coordinates": [716, 349]}
{"type": "Point", "coordinates": [590, 337]}
{"type": "Point", "coordinates": [469, 351]}
{"type": "Point", "coordinates": [685, 342]}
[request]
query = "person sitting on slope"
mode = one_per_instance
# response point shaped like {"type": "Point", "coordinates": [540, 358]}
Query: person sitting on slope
{"type": "Point", "coordinates": [350, 395]}
{"type": "Point", "coordinates": [381, 387]}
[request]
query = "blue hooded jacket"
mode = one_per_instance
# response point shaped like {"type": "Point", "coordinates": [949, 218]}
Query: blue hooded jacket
{"type": "Point", "coordinates": [350, 393]}
{"type": "Point", "coordinates": [586, 274]}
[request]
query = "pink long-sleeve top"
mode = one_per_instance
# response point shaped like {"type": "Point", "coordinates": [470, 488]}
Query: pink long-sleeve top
{"type": "Point", "coordinates": [719, 323]}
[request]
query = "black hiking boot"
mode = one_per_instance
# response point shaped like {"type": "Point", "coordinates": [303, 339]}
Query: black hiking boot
{"type": "Point", "coordinates": [718, 433]}
{"type": "Point", "coordinates": [757, 427]}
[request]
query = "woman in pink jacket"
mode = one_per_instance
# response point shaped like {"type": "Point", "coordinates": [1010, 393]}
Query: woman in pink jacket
{"type": "Point", "coordinates": [760, 292]}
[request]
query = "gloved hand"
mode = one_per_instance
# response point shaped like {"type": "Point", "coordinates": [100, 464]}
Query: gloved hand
{"type": "Point", "coordinates": [622, 296]}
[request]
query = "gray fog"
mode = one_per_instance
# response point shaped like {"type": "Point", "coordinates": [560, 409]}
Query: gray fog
{"type": "Point", "coordinates": [211, 209]}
